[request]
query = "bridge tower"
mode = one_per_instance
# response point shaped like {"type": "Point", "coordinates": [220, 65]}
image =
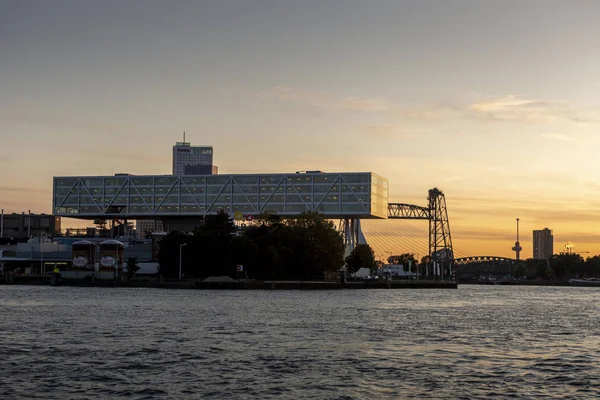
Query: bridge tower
{"type": "Point", "coordinates": [440, 241]}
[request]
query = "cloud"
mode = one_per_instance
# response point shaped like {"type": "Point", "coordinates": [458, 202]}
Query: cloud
{"type": "Point", "coordinates": [327, 100]}
{"type": "Point", "coordinates": [507, 108]}
{"type": "Point", "coordinates": [391, 132]}
{"type": "Point", "coordinates": [518, 109]}
{"type": "Point", "coordinates": [557, 136]}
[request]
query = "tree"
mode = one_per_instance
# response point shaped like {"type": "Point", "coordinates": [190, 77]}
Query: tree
{"type": "Point", "coordinates": [361, 257]}
{"type": "Point", "coordinates": [168, 254]}
{"type": "Point", "coordinates": [305, 248]}
{"type": "Point", "coordinates": [519, 270]}
{"type": "Point", "coordinates": [132, 267]}
{"type": "Point", "coordinates": [407, 260]}
{"type": "Point", "coordinates": [566, 264]}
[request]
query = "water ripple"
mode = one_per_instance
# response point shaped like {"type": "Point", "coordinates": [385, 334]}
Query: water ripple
{"type": "Point", "coordinates": [478, 342]}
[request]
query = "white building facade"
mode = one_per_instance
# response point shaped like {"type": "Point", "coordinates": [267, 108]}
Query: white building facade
{"type": "Point", "coordinates": [353, 195]}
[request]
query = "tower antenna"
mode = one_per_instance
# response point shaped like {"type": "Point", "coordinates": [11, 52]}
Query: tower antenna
{"type": "Point", "coordinates": [517, 247]}
{"type": "Point", "coordinates": [183, 137]}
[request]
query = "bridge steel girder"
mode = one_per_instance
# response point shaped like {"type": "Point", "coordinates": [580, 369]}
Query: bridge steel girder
{"type": "Point", "coordinates": [407, 211]}
{"type": "Point", "coordinates": [483, 259]}
{"type": "Point", "coordinates": [441, 252]}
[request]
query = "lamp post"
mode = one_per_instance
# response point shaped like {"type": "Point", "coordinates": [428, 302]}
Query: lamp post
{"type": "Point", "coordinates": [180, 252]}
{"type": "Point", "coordinates": [41, 255]}
{"type": "Point", "coordinates": [29, 224]}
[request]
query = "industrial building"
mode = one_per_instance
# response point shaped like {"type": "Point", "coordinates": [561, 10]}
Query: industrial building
{"type": "Point", "coordinates": [26, 225]}
{"type": "Point", "coordinates": [543, 244]}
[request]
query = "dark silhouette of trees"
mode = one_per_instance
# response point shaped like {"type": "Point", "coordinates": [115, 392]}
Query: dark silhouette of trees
{"type": "Point", "coordinates": [305, 248]}
{"type": "Point", "coordinates": [361, 257]}
{"type": "Point", "coordinates": [561, 266]}
{"type": "Point", "coordinates": [405, 259]}
{"type": "Point", "coordinates": [132, 267]}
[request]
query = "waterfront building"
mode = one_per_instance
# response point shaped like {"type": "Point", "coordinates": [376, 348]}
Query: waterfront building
{"type": "Point", "coordinates": [543, 244]}
{"type": "Point", "coordinates": [181, 201]}
{"type": "Point", "coordinates": [26, 225]}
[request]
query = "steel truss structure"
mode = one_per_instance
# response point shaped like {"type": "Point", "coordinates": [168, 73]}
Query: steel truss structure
{"type": "Point", "coordinates": [335, 195]}
{"type": "Point", "coordinates": [483, 259]}
{"type": "Point", "coordinates": [440, 240]}
{"type": "Point", "coordinates": [407, 211]}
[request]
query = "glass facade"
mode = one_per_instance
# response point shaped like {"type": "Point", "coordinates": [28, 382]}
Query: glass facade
{"type": "Point", "coordinates": [363, 195]}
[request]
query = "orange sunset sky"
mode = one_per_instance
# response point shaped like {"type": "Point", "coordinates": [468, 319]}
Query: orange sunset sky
{"type": "Point", "coordinates": [495, 103]}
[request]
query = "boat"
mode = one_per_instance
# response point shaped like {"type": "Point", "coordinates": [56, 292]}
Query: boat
{"type": "Point", "coordinates": [585, 282]}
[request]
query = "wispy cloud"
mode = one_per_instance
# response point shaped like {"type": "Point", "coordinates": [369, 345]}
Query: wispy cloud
{"type": "Point", "coordinates": [327, 100]}
{"type": "Point", "coordinates": [392, 132]}
{"type": "Point", "coordinates": [519, 109]}
{"type": "Point", "coordinates": [557, 136]}
{"type": "Point", "coordinates": [507, 108]}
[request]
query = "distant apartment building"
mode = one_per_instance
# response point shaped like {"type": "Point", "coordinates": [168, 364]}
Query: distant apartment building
{"type": "Point", "coordinates": [145, 227]}
{"type": "Point", "coordinates": [187, 156]}
{"type": "Point", "coordinates": [27, 225]}
{"type": "Point", "coordinates": [543, 244]}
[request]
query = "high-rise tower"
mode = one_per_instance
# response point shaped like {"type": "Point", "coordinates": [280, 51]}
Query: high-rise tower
{"type": "Point", "coordinates": [543, 244]}
{"type": "Point", "coordinates": [517, 247]}
{"type": "Point", "coordinates": [192, 160]}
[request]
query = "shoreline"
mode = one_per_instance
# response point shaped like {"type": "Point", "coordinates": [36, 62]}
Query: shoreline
{"type": "Point", "coordinates": [516, 283]}
{"type": "Point", "coordinates": [242, 285]}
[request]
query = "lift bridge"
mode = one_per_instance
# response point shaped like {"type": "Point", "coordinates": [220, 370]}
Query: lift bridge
{"type": "Point", "coordinates": [439, 247]}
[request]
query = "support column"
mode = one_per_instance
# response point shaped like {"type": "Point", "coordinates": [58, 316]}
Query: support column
{"type": "Point", "coordinates": [351, 232]}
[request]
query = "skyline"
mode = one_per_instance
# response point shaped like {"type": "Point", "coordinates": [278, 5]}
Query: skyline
{"type": "Point", "coordinates": [494, 103]}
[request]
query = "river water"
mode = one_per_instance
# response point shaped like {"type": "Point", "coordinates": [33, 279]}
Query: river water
{"type": "Point", "coordinates": [474, 342]}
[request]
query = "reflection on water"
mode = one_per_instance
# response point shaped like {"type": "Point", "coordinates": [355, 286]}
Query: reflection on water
{"type": "Point", "coordinates": [475, 342]}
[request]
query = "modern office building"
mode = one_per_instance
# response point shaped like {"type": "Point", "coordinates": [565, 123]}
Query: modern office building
{"type": "Point", "coordinates": [183, 200]}
{"type": "Point", "coordinates": [186, 155]}
{"type": "Point", "coordinates": [543, 244]}
{"type": "Point", "coordinates": [27, 225]}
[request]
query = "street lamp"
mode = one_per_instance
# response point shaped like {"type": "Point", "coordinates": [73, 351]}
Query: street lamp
{"type": "Point", "coordinates": [180, 251]}
{"type": "Point", "coordinates": [29, 224]}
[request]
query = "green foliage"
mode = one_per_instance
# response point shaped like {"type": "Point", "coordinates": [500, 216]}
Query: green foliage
{"type": "Point", "coordinates": [361, 257]}
{"type": "Point", "coordinates": [405, 259]}
{"type": "Point", "coordinates": [519, 270]}
{"type": "Point", "coordinates": [305, 248]}
{"type": "Point", "coordinates": [132, 267]}
{"type": "Point", "coordinates": [560, 267]}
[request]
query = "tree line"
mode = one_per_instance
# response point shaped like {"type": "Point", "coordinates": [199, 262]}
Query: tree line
{"type": "Point", "coordinates": [307, 247]}
{"type": "Point", "coordinates": [559, 267]}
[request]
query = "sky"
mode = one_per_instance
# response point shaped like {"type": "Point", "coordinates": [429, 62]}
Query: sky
{"type": "Point", "coordinates": [496, 103]}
